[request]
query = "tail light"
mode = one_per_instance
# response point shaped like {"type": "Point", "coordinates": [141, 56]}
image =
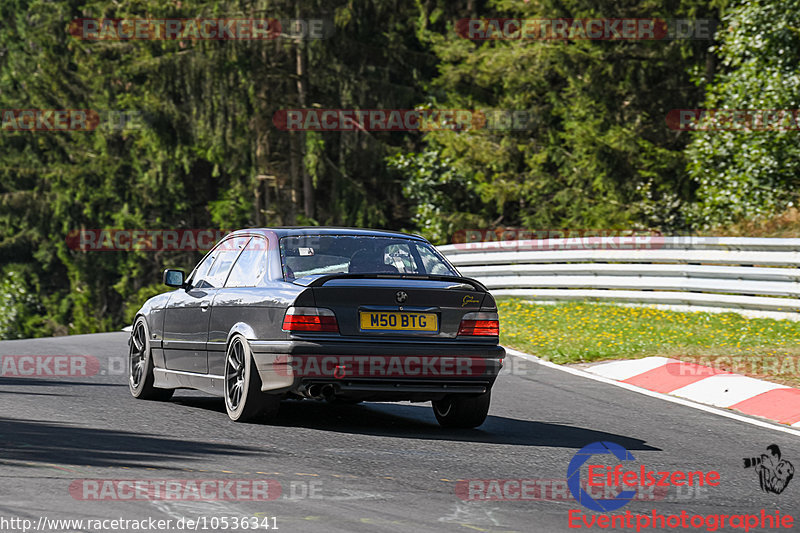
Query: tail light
{"type": "Point", "coordinates": [483, 324]}
{"type": "Point", "coordinates": [313, 319]}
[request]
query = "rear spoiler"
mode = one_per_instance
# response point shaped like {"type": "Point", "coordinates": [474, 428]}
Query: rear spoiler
{"type": "Point", "coordinates": [322, 279]}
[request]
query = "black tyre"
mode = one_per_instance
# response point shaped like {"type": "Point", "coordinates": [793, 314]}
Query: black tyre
{"type": "Point", "coordinates": [243, 397]}
{"type": "Point", "coordinates": [140, 366]}
{"type": "Point", "coordinates": [462, 411]}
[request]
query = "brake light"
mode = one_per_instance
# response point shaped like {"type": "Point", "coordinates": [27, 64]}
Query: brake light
{"type": "Point", "coordinates": [310, 319]}
{"type": "Point", "coordinates": [480, 324]}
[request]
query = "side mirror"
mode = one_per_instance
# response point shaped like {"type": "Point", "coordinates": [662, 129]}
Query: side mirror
{"type": "Point", "coordinates": [174, 278]}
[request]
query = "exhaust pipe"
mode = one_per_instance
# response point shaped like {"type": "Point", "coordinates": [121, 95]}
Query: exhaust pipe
{"type": "Point", "coordinates": [328, 392]}
{"type": "Point", "coordinates": [321, 392]}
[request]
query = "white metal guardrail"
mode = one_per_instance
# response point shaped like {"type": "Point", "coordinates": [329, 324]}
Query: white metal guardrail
{"type": "Point", "coordinates": [727, 272]}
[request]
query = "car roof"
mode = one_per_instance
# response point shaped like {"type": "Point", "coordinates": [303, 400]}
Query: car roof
{"type": "Point", "coordinates": [288, 231]}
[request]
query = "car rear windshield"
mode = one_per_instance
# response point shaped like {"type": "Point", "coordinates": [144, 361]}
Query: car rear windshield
{"type": "Point", "coordinates": [307, 255]}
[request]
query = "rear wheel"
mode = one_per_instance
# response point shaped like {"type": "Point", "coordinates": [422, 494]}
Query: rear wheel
{"type": "Point", "coordinates": [243, 397]}
{"type": "Point", "coordinates": [140, 366]}
{"type": "Point", "coordinates": [462, 411]}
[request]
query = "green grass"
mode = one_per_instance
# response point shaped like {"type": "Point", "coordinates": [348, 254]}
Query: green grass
{"type": "Point", "coordinates": [584, 332]}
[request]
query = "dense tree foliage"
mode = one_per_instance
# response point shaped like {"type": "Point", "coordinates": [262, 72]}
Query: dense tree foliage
{"type": "Point", "coordinates": [203, 153]}
{"type": "Point", "coordinates": [742, 174]}
{"type": "Point", "coordinates": [598, 153]}
{"type": "Point", "coordinates": [202, 150]}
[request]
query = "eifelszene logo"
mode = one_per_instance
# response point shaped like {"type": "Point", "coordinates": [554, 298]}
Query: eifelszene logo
{"type": "Point", "coordinates": [613, 478]}
{"type": "Point", "coordinates": [774, 473]}
{"type": "Point", "coordinates": [574, 476]}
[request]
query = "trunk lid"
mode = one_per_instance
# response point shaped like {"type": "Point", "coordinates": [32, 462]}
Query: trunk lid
{"type": "Point", "coordinates": [398, 306]}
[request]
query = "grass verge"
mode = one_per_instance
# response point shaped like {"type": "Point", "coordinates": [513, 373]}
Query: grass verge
{"type": "Point", "coordinates": [586, 332]}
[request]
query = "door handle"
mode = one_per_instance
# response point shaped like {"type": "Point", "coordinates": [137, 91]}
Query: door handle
{"type": "Point", "coordinates": [204, 307]}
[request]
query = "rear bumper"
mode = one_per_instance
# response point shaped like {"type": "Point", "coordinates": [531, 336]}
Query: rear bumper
{"type": "Point", "coordinates": [371, 370]}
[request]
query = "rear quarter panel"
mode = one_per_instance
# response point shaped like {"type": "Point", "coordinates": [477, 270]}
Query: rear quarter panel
{"type": "Point", "coordinates": [255, 312]}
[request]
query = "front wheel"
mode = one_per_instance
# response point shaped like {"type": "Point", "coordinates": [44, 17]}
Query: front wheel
{"type": "Point", "coordinates": [243, 397]}
{"type": "Point", "coordinates": [462, 411]}
{"type": "Point", "coordinates": [140, 366]}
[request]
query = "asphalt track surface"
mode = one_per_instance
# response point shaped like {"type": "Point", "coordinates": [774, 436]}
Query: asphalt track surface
{"type": "Point", "coordinates": [370, 467]}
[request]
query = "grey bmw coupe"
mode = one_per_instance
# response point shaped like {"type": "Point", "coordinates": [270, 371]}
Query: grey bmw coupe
{"type": "Point", "coordinates": [335, 314]}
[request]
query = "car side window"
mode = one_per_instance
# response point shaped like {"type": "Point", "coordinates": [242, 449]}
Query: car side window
{"type": "Point", "coordinates": [223, 257]}
{"type": "Point", "coordinates": [200, 273]}
{"type": "Point", "coordinates": [251, 265]}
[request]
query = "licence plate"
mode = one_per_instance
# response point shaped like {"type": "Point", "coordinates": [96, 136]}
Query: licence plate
{"type": "Point", "coordinates": [399, 321]}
